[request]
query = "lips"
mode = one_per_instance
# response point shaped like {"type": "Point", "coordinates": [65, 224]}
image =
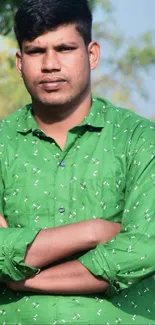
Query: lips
{"type": "Point", "coordinates": [51, 84]}
{"type": "Point", "coordinates": [51, 80]}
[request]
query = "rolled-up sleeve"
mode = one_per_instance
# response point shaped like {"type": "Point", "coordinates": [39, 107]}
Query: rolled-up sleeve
{"type": "Point", "coordinates": [130, 256]}
{"type": "Point", "coordinates": [13, 246]}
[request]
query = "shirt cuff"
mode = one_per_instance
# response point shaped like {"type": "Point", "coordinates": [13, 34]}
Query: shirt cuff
{"type": "Point", "coordinates": [100, 264]}
{"type": "Point", "coordinates": [13, 247]}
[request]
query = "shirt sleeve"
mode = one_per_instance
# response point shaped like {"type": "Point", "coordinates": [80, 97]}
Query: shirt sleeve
{"type": "Point", "coordinates": [13, 246]}
{"type": "Point", "coordinates": [130, 256]}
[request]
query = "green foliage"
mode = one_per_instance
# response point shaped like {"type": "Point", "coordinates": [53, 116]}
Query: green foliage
{"type": "Point", "coordinates": [124, 63]}
{"type": "Point", "coordinates": [143, 52]}
{"type": "Point", "coordinates": [105, 4]}
{"type": "Point", "coordinates": [7, 11]}
{"type": "Point", "coordinates": [13, 94]}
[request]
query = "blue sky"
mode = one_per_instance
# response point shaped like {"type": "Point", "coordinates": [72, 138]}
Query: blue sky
{"type": "Point", "coordinates": [133, 18]}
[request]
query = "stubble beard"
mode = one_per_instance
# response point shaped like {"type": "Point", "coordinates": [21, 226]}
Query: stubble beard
{"type": "Point", "coordinates": [59, 108]}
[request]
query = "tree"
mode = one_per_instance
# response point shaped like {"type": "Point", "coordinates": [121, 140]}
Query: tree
{"type": "Point", "coordinates": [13, 94]}
{"type": "Point", "coordinates": [124, 63]}
{"type": "Point", "coordinates": [7, 11]}
{"type": "Point", "coordinates": [121, 70]}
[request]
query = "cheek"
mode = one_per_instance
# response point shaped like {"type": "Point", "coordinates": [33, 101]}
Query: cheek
{"type": "Point", "coordinates": [80, 69]}
{"type": "Point", "coordinates": [83, 72]}
{"type": "Point", "coordinates": [77, 63]}
{"type": "Point", "coordinates": [30, 79]}
{"type": "Point", "coordinates": [30, 70]}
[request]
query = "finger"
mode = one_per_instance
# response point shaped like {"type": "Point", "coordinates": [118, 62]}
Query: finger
{"type": "Point", "coordinates": [3, 223]}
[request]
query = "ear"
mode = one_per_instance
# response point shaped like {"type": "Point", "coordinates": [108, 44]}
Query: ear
{"type": "Point", "coordinates": [19, 62]}
{"type": "Point", "coordinates": [94, 54]}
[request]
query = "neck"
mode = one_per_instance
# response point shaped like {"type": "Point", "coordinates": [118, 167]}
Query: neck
{"type": "Point", "coordinates": [60, 119]}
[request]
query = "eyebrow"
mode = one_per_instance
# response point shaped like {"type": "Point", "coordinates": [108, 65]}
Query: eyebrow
{"type": "Point", "coordinates": [39, 47]}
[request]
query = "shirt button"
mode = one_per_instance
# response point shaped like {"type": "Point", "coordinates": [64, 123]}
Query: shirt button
{"type": "Point", "coordinates": [62, 164]}
{"type": "Point", "coordinates": [62, 210]}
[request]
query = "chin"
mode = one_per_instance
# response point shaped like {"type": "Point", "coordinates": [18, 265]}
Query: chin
{"type": "Point", "coordinates": [54, 101]}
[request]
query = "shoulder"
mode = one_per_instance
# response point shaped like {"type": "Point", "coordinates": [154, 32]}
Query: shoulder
{"type": "Point", "coordinates": [124, 115]}
{"type": "Point", "coordinates": [9, 125]}
{"type": "Point", "coordinates": [128, 123]}
{"type": "Point", "coordinates": [9, 129]}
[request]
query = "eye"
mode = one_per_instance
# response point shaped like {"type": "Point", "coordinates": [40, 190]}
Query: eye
{"type": "Point", "coordinates": [66, 48]}
{"type": "Point", "coordinates": [36, 51]}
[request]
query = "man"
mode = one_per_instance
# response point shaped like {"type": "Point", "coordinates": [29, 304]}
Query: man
{"type": "Point", "coordinates": [73, 168]}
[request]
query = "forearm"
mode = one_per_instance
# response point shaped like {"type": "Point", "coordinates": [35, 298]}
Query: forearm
{"type": "Point", "coordinates": [54, 244]}
{"type": "Point", "coordinates": [67, 279]}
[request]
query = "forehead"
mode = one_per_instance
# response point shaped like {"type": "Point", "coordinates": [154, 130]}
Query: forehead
{"type": "Point", "coordinates": [62, 34]}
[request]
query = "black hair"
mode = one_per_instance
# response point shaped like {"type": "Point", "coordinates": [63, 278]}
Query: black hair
{"type": "Point", "coordinates": [35, 17]}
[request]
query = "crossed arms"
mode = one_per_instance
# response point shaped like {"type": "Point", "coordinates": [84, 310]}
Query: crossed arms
{"type": "Point", "coordinates": [54, 244]}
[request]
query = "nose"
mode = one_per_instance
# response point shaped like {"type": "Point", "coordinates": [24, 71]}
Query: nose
{"type": "Point", "coordinates": [51, 62]}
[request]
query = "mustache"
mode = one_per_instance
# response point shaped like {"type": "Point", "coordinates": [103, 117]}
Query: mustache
{"type": "Point", "coordinates": [52, 79]}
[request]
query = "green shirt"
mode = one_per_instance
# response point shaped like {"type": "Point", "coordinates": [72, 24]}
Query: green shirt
{"type": "Point", "coordinates": [107, 170]}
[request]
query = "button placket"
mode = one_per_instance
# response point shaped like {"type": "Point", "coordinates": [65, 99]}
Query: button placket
{"type": "Point", "coordinates": [61, 204]}
{"type": "Point", "coordinates": [62, 201]}
{"type": "Point", "coordinates": [62, 164]}
{"type": "Point", "coordinates": [62, 210]}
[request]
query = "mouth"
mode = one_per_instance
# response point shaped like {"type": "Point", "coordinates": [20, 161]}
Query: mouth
{"type": "Point", "coordinates": [52, 84]}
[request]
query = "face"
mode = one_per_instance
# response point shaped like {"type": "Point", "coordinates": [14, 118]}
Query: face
{"type": "Point", "coordinates": [56, 66]}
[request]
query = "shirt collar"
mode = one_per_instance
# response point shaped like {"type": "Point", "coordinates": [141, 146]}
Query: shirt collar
{"type": "Point", "coordinates": [95, 118]}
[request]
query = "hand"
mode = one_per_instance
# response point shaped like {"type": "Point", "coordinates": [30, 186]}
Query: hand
{"type": "Point", "coordinates": [16, 286]}
{"type": "Point", "coordinates": [3, 223]}
{"type": "Point", "coordinates": [105, 230]}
